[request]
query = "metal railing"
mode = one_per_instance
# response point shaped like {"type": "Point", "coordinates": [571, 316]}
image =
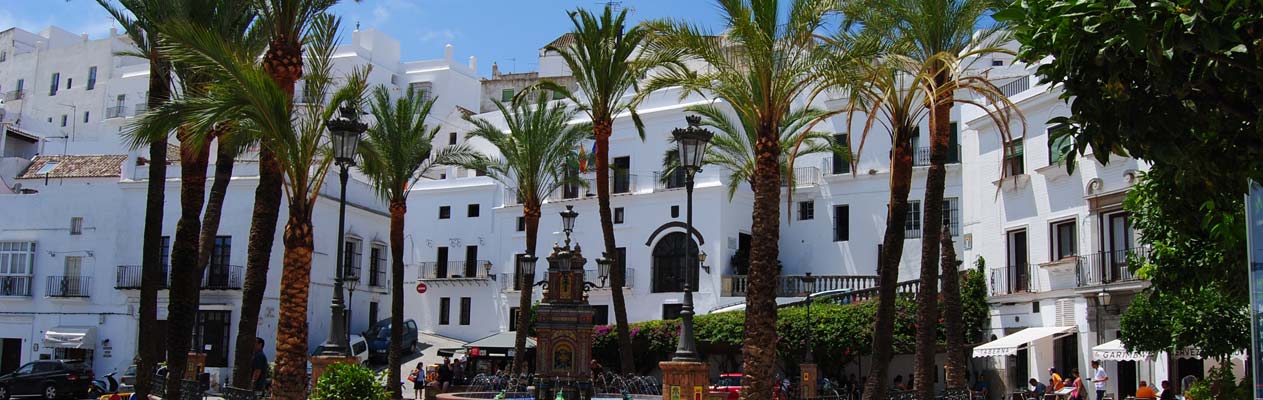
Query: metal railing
{"type": "Point", "coordinates": [68, 286]}
{"type": "Point", "coordinates": [130, 277]}
{"type": "Point", "coordinates": [115, 112]}
{"type": "Point", "coordinates": [14, 95]}
{"type": "Point", "coordinates": [140, 109]}
{"type": "Point", "coordinates": [628, 279]}
{"type": "Point", "coordinates": [19, 286]}
{"type": "Point", "coordinates": [473, 269]}
{"type": "Point", "coordinates": [842, 167]}
{"type": "Point", "coordinates": [803, 176]}
{"type": "Point", "coordinates": [1013, 279]}
{"type": "Point", "coordinates": [676, 180]}
{"type": "Point", "coordinates": [1112, 266]}
{"type": "Point", "coordinates": [619, 184]}
{"type": "Point", "coordinates": [510, 197]}
{"type": "Point", "coordinates": [222, 277]}
{"type": "Point", "coordinates": [1019, 85]}
{"type": "Point", "coordinates": [793, 285]}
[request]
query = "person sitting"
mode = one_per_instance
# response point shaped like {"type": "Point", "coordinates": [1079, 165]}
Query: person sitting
{"type": "Point", "coordinates": [1145, 392]}
{"type": "Point", "coordinates": [1168, 393]}
{"type": "Point", "coordinates": [1038, 389]}
{"type": "Point", "coordinates": [899, 384]}
{"type": "Point", "coordinates": [981, 388]}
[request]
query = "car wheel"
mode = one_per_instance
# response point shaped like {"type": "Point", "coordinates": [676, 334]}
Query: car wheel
{"type": "Point", "coordinates": [50, 391]}
{"type": "Point", "coordinates": [4, 393]}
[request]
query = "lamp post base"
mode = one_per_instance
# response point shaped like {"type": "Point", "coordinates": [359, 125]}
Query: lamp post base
{"type": "Point", "coordinates": [320, 363]}
{"type": "Point", "coordinates": [684, 380]}
{"type": "Point", "coordinates": [810, 373]}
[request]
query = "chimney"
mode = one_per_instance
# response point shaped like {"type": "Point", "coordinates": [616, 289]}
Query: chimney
{"type": "Point", "coordinates": [447, 52]}
{"type": "Point", "coordinates": [473, 64]}
{"type": "Point", "coordinates": [495, 70]}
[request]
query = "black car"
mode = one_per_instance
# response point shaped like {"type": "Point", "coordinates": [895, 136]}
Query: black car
{"type": "Point", "coordinates": [378, 337]}
{"type": "Point", "coordinates": [47, 379]}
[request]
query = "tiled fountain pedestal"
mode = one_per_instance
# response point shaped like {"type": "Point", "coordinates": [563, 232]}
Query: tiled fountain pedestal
{"type": "Point", "coordinates": [684, 380]}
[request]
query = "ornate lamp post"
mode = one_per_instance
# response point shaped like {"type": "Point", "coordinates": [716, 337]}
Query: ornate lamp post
{"type": "Point", "coordinates": [691, 143]}
{"type": "Point", "coordinates": [345, 131]}
{"type": "Point", "coordinates": [809, 358]}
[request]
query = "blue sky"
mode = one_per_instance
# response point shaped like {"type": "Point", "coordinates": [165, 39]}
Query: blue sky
{"type": "Point", "coordinates": [509, 32]}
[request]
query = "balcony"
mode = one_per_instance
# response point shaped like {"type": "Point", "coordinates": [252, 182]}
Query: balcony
{"type": "Point", "coordinates": [455, 270]}
{"type": "Point", "coordinates": [128, 277]}
{"type": "Point", "coordinates": [1018, 85]}
{"type": "Point", "coordinates": [68, 286]}
{"type": "Point", "coordinates": [803, 177]}
{"type": "Point", "coordinates": [140, 109]}
{"type": "Point", "coordinates": [15, 286]}
{"type": "Point", "coordinates": [793, 285]}
{"type": "Point", "coordinates": [115, 112]}
{"type": "Point", "coordinates": [1106, 267]}
{"type": "Point", "coordinates": [14, 95]}
{"type": "Point", "coordinates": [629, 278]}
{"type": "Point", "coordinates": [620, 183]}
{"type": "Point", "coordinates": [222, 277]}
{"type": "Point", "coordinates": [676, 180]}
{"type": "Point", "coordinates": [1014, 279]}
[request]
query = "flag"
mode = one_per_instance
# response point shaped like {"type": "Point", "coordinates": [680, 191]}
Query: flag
{"type": "Point", "coordinates": [583, 161]}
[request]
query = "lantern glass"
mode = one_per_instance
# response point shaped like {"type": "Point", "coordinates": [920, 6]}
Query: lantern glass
{"type": "Point", "coordinates": [603, 268]}
{"type": "Point", "coordinates": [1103, 298]}
{"type": "Point", "coordinates": [691, 144]}
{"type": "Point", "coordinates": [345, 144]}
{"type": "Point", "coordinates": [526, 265]}
{"type": "Point", "coordinates": [567, 219]}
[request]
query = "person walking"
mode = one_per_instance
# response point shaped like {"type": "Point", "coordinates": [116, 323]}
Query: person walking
{"type": "Point", "coordinates": [417, 377]}
{"type": "Point", "coordinates": [1098, 379]}
{"type": "Point", "coordinates": [1077, 384]}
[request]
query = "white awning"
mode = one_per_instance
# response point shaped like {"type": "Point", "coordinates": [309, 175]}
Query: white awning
{"type": "Point", "coordinates": [1115, 351]}
{"type": "Point", "coordinates": [1009, 345]}
{"type": "Point", "coordinates": [71, 337]}
{"type": "Point", "coordinates": [1190, 352]}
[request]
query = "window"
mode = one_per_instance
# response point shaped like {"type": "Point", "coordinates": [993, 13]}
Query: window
{"type": "Point", "coordinates": [513, 319]}
{"type": "Point", "coordinates": [47, 168]}
{"type": "Point", "coordinates": [465, 304]}
{"type": "Point", "coordinates": [69, 82]}
{"type": "Point", "coordinates": [506, 95]}
{"type": "Point", "coordinates": [164, 254]}
{"type": "Point", "coordinates": [951, 214]}
{"type": "Point", "coordinates": [17, 258]}
{"type": "Point", "coordinates": [1035, 307]}
{"type": "Point", "coordinates": [671, 270]}
{"type": "Point", "coordinates": [521, 224]}
{"type": "Point", "coordinates": [1059, 143]}
{"type": "Point", "coordinates": [621, 181]}
{"type": "Point", "coordinates": [376, 265]}
{"type": "Point", "coordinates": [618, 215]}
{"type": "Point", "coordinates": [841, 223]}
{"type": "Point", "coordinates": [473, 211]}
{"type": "Point", "coordinates": [21, 84]}
{"type": "Point", "coordinates": [1013, 163]}
{"type": "Point", "coordinates": [600, 315]}
{"type": "Point", "coordinates": [351, 253]}
{"type": "Point", "coordinates": [1064, 240]}
{"type": "Point", "coordinates": [953, 145]}
{"type": "Point", "coordinates": [671, 311]}
{"type": "Point", "coordinates": [675, 211]}
{"type": "Point", "coordinates": [73, 268]}
{"type": "Point", "coordinates": [451, 138]}
{"type": "Point", "coordinates": [65, 119]}
{"type": "Point", "coordinates": [912, 226]}
{"type": "Point", "coordinates": [840, 164]}
{"type": "Point", "coordinates": [445, 212]}
{"type": "Point", "coordinates": [76, 225]}
{"type": "Point", "coordinates": [92, 77]}
{"type": "Point", "coordinates": [85, 117]}
{"type": "Point", "coordinates": [445, 311]}
{"type": "Point", "coordinates": [422, 90]}
{"type": "Point", "coordinates": [4, 55]}
{"type": "Point", "coordinates": [372, 313]}
{"type": "Point", "coordinates": [211, 336]}
{"type": "Point", "coordinates": [440, 263]}
{"type": "Point", "coordinates": [995, 62]}
{"type": "Point", "coordinates": [1016, 268]}
{"type": "Point", "coordinates": [806, 210]}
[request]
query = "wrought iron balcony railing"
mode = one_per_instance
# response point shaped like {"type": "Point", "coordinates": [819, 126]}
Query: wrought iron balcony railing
{"type": "Point", "coordinates": [470, 269]}
{"type": "Point", "coordinates": [15, 286]}
{"type": "Point", "coordinates": [68, 286]}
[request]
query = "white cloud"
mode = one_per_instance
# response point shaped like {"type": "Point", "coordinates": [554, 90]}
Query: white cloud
{"type": "Point", "coordinates": [442, 34]}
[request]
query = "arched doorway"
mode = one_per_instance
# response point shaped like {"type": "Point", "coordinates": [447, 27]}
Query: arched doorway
{"type": "Point", "coordinates": [669, 266]}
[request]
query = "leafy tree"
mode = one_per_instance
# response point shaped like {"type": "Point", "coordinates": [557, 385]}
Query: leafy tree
{"type": "Point", "coordinates": [1197, 258]}
{"type": "Point", "coordinates": [765, 61]}
{"type": "Point", "coordinates": [534, 155]}
{"type": "Point", "coordinates": [975, 313]}
{"type": "Point", "coordinates": [395, 154]}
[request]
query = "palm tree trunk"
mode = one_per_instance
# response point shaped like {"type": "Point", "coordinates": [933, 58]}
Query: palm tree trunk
{"type": "Point", "coordinates": [151, 276]}
{"type": "Point", "coordinates": [291, 329]}
{"type": "Point", "coordinates": [398, 208]}
{"type": "Point", "coordinates": [267, 205]}
{"type": "Point", "coordinates": [531, 212]}
{"type": "Point", "coordinates": [284, 63]}
{"type": "Point", "coordinates": [758, 357]}
{"type": "Point", "coordinates": [927, 298]}
{"type": "Point", "coordinates": [185, 280]}
{"type": "Point", "coordinates": [953, 319]}
{"type": "Point", "coordinates": [602, 130]}
{"type": "Point", "coordinates": [888, 265]}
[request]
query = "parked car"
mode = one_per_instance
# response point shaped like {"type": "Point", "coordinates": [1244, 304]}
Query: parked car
{"type": "Point", "coordinates": [49, 379]}
{"type": "Point", "coordinates": [359, 349]}
{"type": "Point", "coordinates": [378, 337]}
{"type": "Point", "coordinates": [728, 383]}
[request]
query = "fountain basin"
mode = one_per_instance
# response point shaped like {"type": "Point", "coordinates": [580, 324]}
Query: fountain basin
{"type": "Point", "coordinates": [529, 396]}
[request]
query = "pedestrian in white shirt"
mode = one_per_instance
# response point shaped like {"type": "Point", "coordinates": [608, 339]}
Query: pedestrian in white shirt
{"type": "Point", "coordinates": [1099, 378]}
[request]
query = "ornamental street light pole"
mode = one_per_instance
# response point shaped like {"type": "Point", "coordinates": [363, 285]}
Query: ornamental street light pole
{"type": "Point", "coordinates": [811, 289]}
{"type": "Point", "coordinates": [345, 131]}
{"type": "Point", "coordinates": [691, 144]}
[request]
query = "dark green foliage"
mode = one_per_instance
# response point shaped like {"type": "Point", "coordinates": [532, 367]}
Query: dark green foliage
{"type": "Point", "coordinates": [349, 382]}
{"type": "Point", "coordinates": [973, 295]}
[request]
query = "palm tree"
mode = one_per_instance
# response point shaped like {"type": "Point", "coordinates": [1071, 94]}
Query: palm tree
{"type": "Point", "coordinates": [603, 60]}
{"type": "Point", "coordinates": [244, 91]}
{"type": "Point", "coordinates": [764, 62]}
{"type": "Point", "coordinates": [396, 153]}
{"type": "Point", "coordinates": [535, 154]}
{"type": "Point", "coordinates": [283, 21]}
{"type": "Point", "coordinates": [733, 148]}
{"type": "Point", "coordinates": [139, 19]}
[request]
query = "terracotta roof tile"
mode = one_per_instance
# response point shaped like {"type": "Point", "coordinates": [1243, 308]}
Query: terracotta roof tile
{"type": "Point", "coordinates": [564, 40]}
{"type": "Point", "coordinates": [76, 166]}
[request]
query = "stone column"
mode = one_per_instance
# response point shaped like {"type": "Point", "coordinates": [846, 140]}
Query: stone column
{"type": "Point", "coordinates": [683, 380]}
{"type": "Point", "coordinates": [320, 363]}
{"type": "Point", "coordinates": [195, 366]}
{"type": "Point", "coordinates": [809, 374]}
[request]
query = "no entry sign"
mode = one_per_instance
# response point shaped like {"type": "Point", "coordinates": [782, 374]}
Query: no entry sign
{"type": "Point", "coordinates": [421, 287]}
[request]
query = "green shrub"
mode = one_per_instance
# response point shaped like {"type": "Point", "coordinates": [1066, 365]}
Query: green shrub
{"type": "Point", "coordinates": [349, 382]}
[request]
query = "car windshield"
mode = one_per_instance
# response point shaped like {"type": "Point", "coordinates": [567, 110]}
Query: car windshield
{"type": "Point", "coordinates": [378, 332]}
{"type": "Point", "coordinates": [729, 381]}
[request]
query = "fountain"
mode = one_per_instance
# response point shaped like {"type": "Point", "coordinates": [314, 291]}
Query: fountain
{"type": "Point", "coordinates": [563, 350]}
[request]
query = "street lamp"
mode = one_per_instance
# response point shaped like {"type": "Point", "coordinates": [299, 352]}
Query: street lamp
{"type": "Point", "coordinates": [345, 131]}
{"type": "Point", "coordinates": [525, 269]}
{"type": "Point", "coordinates": [691, 144]}
{"type": "Point", "coordinates": [1102, 301]}
{"type": "Point", "coordinates": [811, 289]}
